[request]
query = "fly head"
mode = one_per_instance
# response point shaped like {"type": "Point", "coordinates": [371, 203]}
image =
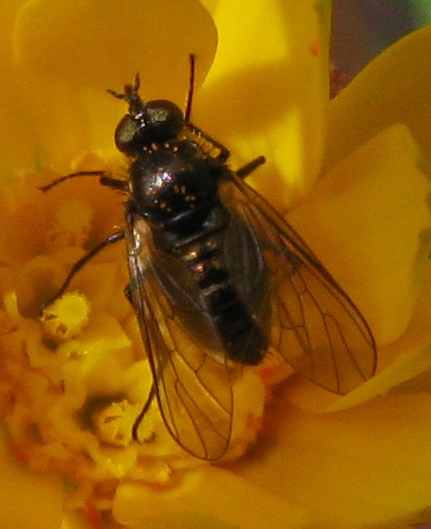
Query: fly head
{"type": "Point", "coordinates": [147, 122]}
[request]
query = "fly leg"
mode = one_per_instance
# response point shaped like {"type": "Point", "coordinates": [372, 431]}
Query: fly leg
{"type": "Point", "coordinates": [128, 292]}
{"type": "Point", "coordinates": [223, 154]}
{"type": "Point", "coordinates": [249, 167]}
{"type": "Point", "coordinates": [130, 288]}
{"type": "Point", "coordinates": [103, 179]}
{"type": "Point", "coordinates": [115, 237]}
{"type": "Point", "coordinates": [142, 413]}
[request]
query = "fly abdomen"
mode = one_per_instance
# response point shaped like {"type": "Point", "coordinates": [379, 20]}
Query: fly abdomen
{"type": "Point", "coordinates": [243, 340]}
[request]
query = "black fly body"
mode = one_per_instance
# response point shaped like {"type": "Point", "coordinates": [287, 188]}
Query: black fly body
{"type": "Point", "coordinates": [218, 277]}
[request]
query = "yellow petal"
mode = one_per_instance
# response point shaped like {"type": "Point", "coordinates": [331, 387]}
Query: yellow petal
{"type": "Point", "coordinates": [210, 5]}
{"type": "Point", "coordinates": [74, 520]}
{"type": "Point", "coordinates": [364, 467]}
{"type": "Point", "coordinates": [208, 498]}
{"type": "Point", "coordinates": [15, 134]}
{"type": "Point", "coordinates": [394, 88]}
{"type": "Point", "coordinates": [409, 370]}
{"type": "Point", "coordinates": [104, 43]}
{"type": "Point", "coordinates": [28, 499]}
{"type": "Point", "coordinates": [267, 91]}
{"type": "Point", "coordinates": [69, 53]}
{"type": "Point", "coordinates": [404, 364]}
{"type": "Point", "coordinates": [369, 221]}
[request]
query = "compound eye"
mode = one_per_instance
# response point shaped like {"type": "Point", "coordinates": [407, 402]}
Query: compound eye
{"type": "Point", "coordinates": [156, 122]}
{"type": "Point", "coordinates": [166, 120]}
{"type": "Point", "coordinates": [128, 136]}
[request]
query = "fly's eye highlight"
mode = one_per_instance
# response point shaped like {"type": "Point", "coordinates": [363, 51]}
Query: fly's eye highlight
{"type": "Point", "coordinates": [165, 120]}
{"type": "Point", "coordinates": [128, 137]}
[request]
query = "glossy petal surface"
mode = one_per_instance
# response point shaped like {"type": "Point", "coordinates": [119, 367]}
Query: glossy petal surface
{"type": "Point", "coordinates": [71, 52]}
{"type": "Point", "coordinates": [364, 467]}
{"type": "Point", "coordinates": [267, 90]}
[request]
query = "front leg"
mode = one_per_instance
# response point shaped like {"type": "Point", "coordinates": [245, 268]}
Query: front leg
{"type": "Point", "coordinates": [224, 153]}
{"type": "Point", "coordinates": [115, 237]}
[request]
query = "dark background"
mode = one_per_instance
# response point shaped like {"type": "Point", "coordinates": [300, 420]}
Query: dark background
{"type": "Point", "coordinates": [362, 28]}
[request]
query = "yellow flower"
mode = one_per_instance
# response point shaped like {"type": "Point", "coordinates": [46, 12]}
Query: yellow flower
{"type": "Point", "coordinates": [362, 460]}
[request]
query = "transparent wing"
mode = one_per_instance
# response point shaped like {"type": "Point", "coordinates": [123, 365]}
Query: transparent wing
{"type": "Point", "coordinates": [192, 383]}
{"type": "Point", "coordinates": [315, 326]}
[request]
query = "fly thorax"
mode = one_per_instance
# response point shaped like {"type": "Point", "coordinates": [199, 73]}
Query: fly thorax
{"type": "Point", "coordinates": [173, 179]}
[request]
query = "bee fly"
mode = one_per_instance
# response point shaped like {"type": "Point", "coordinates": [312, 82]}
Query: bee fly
{"type": "Point", "coordinates": [218, 277]}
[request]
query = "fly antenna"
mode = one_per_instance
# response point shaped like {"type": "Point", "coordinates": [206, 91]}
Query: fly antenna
{"type": "Point", "coordinates": [130, 93]}
{"type": "Point", "coordinates": [131, 96]}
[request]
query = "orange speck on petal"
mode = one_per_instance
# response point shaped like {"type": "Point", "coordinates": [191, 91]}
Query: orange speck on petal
{"type": "Point", "coordinates": [93, 517]}
{"type": "Point", "coordinates": [19, 453]}
{"type": "Point", "coordinates": [315, 48]}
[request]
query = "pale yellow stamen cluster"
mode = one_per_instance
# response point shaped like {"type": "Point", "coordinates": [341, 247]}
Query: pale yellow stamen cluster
{"type": "Point", "coordinates": [113, 424]}
{"type": "Point", "coordinates": [66, 317]}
